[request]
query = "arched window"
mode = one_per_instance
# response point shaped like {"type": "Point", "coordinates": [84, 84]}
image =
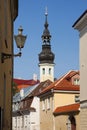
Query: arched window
{"type": "Point", "coordinates": [49, 70]}
{"type": "Point", "coordinates": [43, 70]}
{"type": "Point", "coordinates": [71, 123]}
{"type": "Point", "coordinates": [68, 124]}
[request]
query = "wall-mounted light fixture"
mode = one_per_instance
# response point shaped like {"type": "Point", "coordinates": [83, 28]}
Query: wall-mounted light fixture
{"type": "Point", "coordinates": [20, 41]}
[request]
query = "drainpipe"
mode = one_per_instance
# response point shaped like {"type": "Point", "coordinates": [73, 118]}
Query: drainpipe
{"type": "Point", "coordinates": [53, 109]}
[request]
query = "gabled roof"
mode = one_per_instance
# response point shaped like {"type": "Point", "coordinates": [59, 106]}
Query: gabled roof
{"type": "Point", "coordinates": [68, 108]}
{"type": "Point", "coordinates": [40, 87]}
{"type": "Point", "coordinates": [64, 83]}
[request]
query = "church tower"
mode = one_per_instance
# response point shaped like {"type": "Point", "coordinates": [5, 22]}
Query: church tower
{"type": "Point", "coordinates": [46, 57]}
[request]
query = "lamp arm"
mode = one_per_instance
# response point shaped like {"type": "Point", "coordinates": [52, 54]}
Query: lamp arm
{"type": "Point", "coordinates": [7, 56]}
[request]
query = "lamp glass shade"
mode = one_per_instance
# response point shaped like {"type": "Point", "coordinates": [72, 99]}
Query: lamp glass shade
{"type": "Point", "coordinates": [20, 40]}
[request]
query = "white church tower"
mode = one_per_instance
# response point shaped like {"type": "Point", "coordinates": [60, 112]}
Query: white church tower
{"type": "Point", "coordinates": [46, 57]}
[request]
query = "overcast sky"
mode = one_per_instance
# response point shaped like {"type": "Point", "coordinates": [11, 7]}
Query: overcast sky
{"type": "Point", "coordinates": [64, 42]}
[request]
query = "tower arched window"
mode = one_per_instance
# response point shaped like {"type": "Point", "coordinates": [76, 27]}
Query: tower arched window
{"type": "Point", "coordinates": [49, 71]}
{"type": "Point", "coordinates": [43, 70]}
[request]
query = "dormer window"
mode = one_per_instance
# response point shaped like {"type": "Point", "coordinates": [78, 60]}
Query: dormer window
{"type": "Point", "coordinates": [76, 81]}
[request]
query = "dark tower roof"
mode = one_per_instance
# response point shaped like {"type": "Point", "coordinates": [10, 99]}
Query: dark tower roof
{"type": "Point", "coordinates": [46, 55]}
{"type": "Point", "coordinates": [46, 34]}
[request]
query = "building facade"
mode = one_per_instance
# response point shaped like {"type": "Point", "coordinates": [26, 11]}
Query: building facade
{"type": "Point", "coordinates": [59, 104]}
{"type": "Point", "coordinates": [8, 13]}
{"type": "Point", "coordinates": [26, 110]}
{"type": "Point", "coordinates": [81, 26]}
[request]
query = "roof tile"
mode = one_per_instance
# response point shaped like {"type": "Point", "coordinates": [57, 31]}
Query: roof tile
{"type": "Point", "coordinates": [68, 108]}
{"type": "Point", "coordinates": [63, 83]}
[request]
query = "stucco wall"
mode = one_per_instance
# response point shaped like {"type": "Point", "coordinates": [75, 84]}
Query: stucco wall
{"type": "Point", "coordinates": [61, 122]}
{"type": "Point", "coordinates": [6, 70]}
{"type": "Point", "coordinates": [62, 99]}
{"type": "Point", "coordinates": [46, 116]}
{"type": "Point", "coordinates": [46, 76]}
{"type": "Point", "coordinates": [83, 119]}
{"type": "Point", "coordinates": [83, 64]}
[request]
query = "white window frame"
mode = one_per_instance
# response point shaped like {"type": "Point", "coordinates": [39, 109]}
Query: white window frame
{"type": "Point", "coordinates": [76, 81]}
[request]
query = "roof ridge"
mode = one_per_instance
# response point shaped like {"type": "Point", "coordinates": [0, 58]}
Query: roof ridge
{"type": "Point", "coordinates": [62, 78]}
{"type": "Point", "coordinates": [65, 76]}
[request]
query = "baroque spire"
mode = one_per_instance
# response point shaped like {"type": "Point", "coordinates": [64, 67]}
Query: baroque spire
{"type": "Point", "coordinates": [46, 34]}
{"type": "Point", "coordinates": [46, 55]}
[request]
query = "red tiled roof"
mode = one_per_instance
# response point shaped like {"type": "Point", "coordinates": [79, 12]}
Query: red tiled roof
{"type": "Point", "coordinates": [21, 83]}
{"type": "Point", "coordinates": [68, 108]}
{"type": "Point", "coordinates": [63, 83]}
{"type": "Point", "coordinates": [25, 82]}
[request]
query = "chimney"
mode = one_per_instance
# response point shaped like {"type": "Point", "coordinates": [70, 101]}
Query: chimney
{"type": "Point", "coordinates": [35, 77]}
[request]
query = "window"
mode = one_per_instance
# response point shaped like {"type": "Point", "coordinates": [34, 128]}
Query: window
{"type": "Point", "coordinates": [76, 81]}
{"type": "Point", "coordinates": [18, 121]}
{"type": "Point", "coordinates": [25, 121]}
{"type": "Point", "coordinates": [15, 122]}
{"type": "Point", "coordinates": [48, 103]}
{"type": "Point", "coordinates": [43, 70]}
{"type": "Point", "coordinates": [22, 121]}
{"type": "Point", "coordinates": [49, 70]}
{"type": "Point", "coordinates": [43, 105]}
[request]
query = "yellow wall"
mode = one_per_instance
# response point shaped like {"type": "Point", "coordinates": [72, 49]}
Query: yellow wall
{"type": "Point", "coordinates": [48, 120]}
{"type": "Point", "coordinates": [61, 99]}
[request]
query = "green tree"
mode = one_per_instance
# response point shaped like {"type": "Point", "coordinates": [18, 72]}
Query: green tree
{"type": "Point", "coordinates": [15, 89]}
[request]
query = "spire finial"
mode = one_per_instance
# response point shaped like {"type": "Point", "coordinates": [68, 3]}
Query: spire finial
{"type": "Point", "coordinates": [46, 11]}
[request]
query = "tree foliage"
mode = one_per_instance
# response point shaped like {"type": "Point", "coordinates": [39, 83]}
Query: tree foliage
{"type": "Point", "coordinates": [15, 89]}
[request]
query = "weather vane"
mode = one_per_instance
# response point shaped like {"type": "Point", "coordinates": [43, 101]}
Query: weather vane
{"type": "Point", "coordinates": [46, 11]}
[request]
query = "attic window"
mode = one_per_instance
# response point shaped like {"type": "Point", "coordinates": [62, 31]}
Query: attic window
{"type": "Point", "coordinates": [76, 81]}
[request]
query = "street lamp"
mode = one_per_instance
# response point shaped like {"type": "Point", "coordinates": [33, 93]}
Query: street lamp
{"type": "Point", "coordinates": [20, 41]}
